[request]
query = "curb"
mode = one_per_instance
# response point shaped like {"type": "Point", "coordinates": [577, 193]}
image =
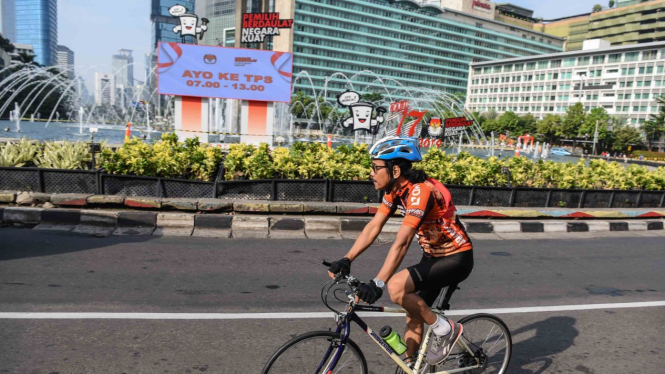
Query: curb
{"type": "Point", "coordinates": [300, 208]}
{"type": "Point", "coordinates": [105, 222]}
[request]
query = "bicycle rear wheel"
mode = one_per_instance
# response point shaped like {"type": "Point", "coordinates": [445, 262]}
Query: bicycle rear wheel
{"type": "Point", "coordinates": [489, 339]}
{"type": "Point", "coordinates": [304, 353]}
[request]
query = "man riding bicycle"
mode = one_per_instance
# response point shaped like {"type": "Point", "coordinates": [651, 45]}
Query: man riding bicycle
{"type": "Point", "coordinates": [447, 259]}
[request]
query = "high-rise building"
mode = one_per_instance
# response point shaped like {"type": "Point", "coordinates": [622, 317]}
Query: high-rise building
{"type": "Point", "coordinates": [421, 46]}
{"type": "Point", "coordinates": [123, 68]}
{"type": "Point", "coordinates": [221, 14]}
{"type": "Point", "coordinates": [8, 19]}
{"type": "Point", "coordinates": [631, 22]}
{"type": "Point", "coordinates": [37, 25]}
{"type": "Point", "coordinates": [66, 61]}
{"type": "Point", "coordinates": [163, 23]}
{"type": "Point", "coordinates": [624, 80]}
{"type": "Point", "coordinates": [104, 89]}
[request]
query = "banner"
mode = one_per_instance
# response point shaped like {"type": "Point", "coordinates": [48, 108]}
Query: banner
{"type": "Point", "coordinates": [455, 126]}
{"type": "Point", "coordinates": [231, 73]}
{"type": "Point", "coordinates": [256, 26]}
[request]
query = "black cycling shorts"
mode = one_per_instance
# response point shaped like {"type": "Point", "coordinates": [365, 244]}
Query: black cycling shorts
{"type": "Point", "coordinates": [434, 273]}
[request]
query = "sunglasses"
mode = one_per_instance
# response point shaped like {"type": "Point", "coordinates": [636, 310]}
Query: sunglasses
{"type": "Point", "coordinates": [376, 168]}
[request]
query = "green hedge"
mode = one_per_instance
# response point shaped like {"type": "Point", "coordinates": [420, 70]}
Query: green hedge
{"type": "Point", "coordinates": [315, 160]}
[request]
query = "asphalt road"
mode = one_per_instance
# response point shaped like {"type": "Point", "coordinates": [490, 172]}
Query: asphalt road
{"type": "Point", "coordinates": [64, 272]}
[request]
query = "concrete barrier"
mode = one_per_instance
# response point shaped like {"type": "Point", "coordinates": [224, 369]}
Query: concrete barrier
{"type": "Point", "coordinates": [70, 199]}
{"type": "Point", "coordinates": [174, 224]}
{"type": "Point", "coordinates": [180, 204]}
{"type": "Point", "coordinates": [350, 228]}
{"type": "Point", "coordinates": [59, 219]}
{"type": "Point", "coordinates": [97, 222]}
{"type": "Point", "coordinates": [287, 227]}
{"type": "Point", "coordinates": [23, 216]}
{"type": "Point", "coordinates": [322, 228]}
{"type": "Point", "coordinates": [212, 226]}
{"type": "Point", "coordinates": [249, 227]}
{"type": "Point", "coordinates": [136, 223]}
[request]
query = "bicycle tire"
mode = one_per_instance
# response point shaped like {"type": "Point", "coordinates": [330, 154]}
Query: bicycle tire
{"type": "Point", "coordinates": [506, 332]}
{"type": "Point", "coordinates": [310, 335]}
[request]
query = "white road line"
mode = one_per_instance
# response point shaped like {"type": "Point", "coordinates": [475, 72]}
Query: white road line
{"type": "Point", "coordinates": [223, 316]}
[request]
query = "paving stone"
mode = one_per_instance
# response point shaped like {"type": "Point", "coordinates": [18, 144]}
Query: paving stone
{"type": "Point", "coordinates": [578, 227]}
{"type": "Point", "coordinates": [143, 202]}
{"type": "Point", "coordinates": [478, 227]}
{"type": "Point", "coordinates": [352, 208]}
{"type": "Point", "coordinates": [180, 204]}
{"type": "Point", "coordinates": [655, 225]}
{"type": "Point", "coordinates": [70, 199]}
{"type": "Point", "coordinates": [240, 206]}
{"type": "Point", "coordinates": [637, 225]}
{"type": "Point", "coordinates": [319, 207]}
{"type": "Point", "coordinates": [106, 199]}
{"type": "Point", "coordinates": [215, 205]}
{"type": "Point", "coordinates": [48, 205]}
{"type": "Point", "coordinates": [532, 227]}
{"type": "Point", "coordinates": [24, 198]}
{"type": "Point", "coordinates": [7, 197]}
{"type": "Point", "coordinates": [618, 226]}
{"type": "Point", "coordinates": [213, 221]}
{"type": "Point", "coordinates": [286, 207]}
{"type": "Point", "coordinates": [249, 227]}
{"type": "Point", "coordinates": [553, 226]}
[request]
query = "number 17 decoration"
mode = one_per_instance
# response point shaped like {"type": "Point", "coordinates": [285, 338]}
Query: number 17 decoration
{"type": "Point", "coordinates": [403, 107]}
{"type": "Point", "coordinates": [361, 113]}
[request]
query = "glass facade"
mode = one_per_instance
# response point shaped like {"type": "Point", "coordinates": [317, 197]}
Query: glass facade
{"type": "Point", "coordinates": [419, 46]}
{"type": "Point", "coordinates": [8, 19]}
{"type": "Point", "coordinates": [37, 25]}
{"type": "Point", "coordinates": [222, 16]}
{"type": "Point", "coordinates": [163, 23]}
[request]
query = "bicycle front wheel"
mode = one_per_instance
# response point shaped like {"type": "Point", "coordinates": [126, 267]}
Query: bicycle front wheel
{"type": "Point", "coordinates": [305, 353]}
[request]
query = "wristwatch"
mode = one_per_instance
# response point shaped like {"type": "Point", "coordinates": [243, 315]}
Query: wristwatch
{"type": "Point", "coordinates": [379, 283]}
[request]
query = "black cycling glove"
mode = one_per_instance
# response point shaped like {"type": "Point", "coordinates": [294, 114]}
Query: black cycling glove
{"type": "Point", "coordinates": [369, 292]}
{"type": "Point", "coordinates": [341, 266]}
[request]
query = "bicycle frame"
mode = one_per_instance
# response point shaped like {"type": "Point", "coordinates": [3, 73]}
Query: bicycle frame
{"type": "Point", "coordinates": [344, 328]}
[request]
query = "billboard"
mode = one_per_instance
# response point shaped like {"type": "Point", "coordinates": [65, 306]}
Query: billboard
{"type": "Point", "coordinates": [231, 73]}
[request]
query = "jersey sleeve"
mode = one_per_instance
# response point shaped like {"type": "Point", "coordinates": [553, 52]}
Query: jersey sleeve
{"type": "Point", "coordinates": [387, 206]}
{"type": "Point", "coordinates": [418, 205]}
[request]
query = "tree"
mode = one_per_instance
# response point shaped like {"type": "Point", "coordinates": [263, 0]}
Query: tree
{"type": "Point", "coordinates": [527, 124]}
{"type": "Point", "coordinates": [626, 136]}
{"type": "Point", "coordinates": [371, 97]}
{"type": "Point", "coordinates": [491, 114]}
{"type": "Point", "coordinates": [549, 128]}
{"type": "Point", "coordinates": [611, 4]}
{"type": "Point", "coordinates": [575, 117]}
{"type": "Point", "coordinates": [589, 126]}
{"type": "Point", "coordinates": [27, 58]}
{"type": "Point", "coordinates": [596, 8]}
{"type": "Point", "coordinates": [654, 129]}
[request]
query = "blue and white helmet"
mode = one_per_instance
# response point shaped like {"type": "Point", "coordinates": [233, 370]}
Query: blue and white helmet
{"type": "Point", "coordinates": [393, 147]}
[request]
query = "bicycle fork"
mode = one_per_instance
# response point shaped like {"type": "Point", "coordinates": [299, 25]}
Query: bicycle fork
{"type": "Point", "coordinates": [329, 362]}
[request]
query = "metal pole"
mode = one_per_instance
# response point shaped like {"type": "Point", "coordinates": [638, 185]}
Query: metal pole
{"type": "Point", "coordinates": [595, 138]}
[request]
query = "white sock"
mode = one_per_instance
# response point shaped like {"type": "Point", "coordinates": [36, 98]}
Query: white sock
{"type": "Point", "coordinates": [441, 327]}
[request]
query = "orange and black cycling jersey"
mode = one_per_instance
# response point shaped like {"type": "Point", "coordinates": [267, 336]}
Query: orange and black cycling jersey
{"type": "Point", "coordinates": [428, 207]}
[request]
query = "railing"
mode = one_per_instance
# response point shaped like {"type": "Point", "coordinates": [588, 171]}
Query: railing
{"type": "Point", "coordinates": [98, 182]}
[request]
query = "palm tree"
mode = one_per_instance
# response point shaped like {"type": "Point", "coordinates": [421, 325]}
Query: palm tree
{"type": "Point", "coordinates": [27, 58]}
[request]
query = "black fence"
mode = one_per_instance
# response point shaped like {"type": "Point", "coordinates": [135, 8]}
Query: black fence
{"type": "Point", "coordinates": [99, 182]}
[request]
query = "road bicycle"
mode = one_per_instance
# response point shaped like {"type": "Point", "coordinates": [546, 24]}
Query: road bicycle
{"type": "Point", "coordinates": [485, 345]}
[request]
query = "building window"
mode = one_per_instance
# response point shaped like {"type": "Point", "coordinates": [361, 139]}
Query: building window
{"type": "Point", "coordinates": [542, 64]}
{"type": "Point", "coordinates": [497, 69]}
{"type": "Point", "coordinates": [649, 55]}
{"type": "Point", "coordinates": [507, 68]}
{"type": "Point", "coordinates": [519, 67]}
{"type": "Point", "coordinates": [632, 56]}
{"type": "Point", "coordinates": [530, 66]}
{"type": "Point", "coordinates": [598, 59]}
{"type": "Point", "coordinates": [556, 63]}
{"type": "Point", "coordinates": [584, 60]}
{"type": "Point", "coordinates": [569, 62]}
{"type": "Point", "coordinates": [616, 57]}
{"type": "Point", "coordinates": [659, 69]}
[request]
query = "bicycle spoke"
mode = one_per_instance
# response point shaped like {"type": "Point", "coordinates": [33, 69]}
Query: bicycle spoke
{"type": "Point", "coordinates": [497, 340]}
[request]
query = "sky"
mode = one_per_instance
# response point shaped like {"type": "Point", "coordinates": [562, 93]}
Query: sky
{"type": "Point", "coordinates": [96, 29]}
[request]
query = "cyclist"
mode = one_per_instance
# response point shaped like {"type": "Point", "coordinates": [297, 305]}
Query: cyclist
{"type": "Point", "coordinates": [447, 258]}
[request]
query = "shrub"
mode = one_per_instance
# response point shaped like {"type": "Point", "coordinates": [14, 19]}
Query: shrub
{"type": "Point", "coordinates": [64, 155]}
{"type": "Point", "coordinates": [18, 153]}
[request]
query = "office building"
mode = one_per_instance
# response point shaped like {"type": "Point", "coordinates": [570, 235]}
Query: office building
{"type": "Point", "coordinates": [22, 49]}
{"type": "Point", "coordinates": [8, 19]}
{"type": "Point", "coordinates": [163, 23]}
{"type": "Point", "coordinates": [122, 65]}
{"type": "Point", "coordinates": [420, 46]}
{"type": "Point", "coordinates": [222, 17]}
{"type": "Point", "coordinates": [104, 89]}
{"type": "Point", "coordinates": [37, 25]}
{"type": "Point", "coordinates": [66, 61]}
{"type": "Point", "coordinates": [624, 80]}
{"type": "Point", "coordinates": [631, 22]}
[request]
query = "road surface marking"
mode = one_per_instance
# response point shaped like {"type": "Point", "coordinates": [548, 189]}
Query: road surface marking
{"type": "Point", "coordinates": [294, 315]}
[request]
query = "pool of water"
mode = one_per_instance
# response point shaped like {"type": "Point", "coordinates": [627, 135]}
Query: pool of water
{"type": "Point", "coordinates": [113, 134]}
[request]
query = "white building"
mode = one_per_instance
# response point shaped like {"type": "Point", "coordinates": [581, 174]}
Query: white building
{"type": "Point", "coordinates": [104, 89]}
{"type": "Point", "coordinates": [66, 61]}
{"type": "Point", "coordinates": [22, 48]}
{"type": "Point", "coordinates": [625, 80]}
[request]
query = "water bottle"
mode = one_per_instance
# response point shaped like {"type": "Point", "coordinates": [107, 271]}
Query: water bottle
{"type": "Point", "coordinates": [393, 339]}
